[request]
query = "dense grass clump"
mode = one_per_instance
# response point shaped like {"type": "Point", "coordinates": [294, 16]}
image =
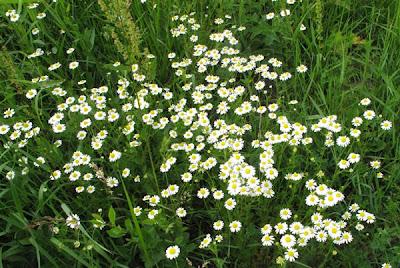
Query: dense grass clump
{"type": "Point", "coordinates": [199, 133]}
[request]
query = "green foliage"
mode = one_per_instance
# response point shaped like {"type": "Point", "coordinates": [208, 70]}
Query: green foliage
{"type": "Point", "coordinates": [351, 49]}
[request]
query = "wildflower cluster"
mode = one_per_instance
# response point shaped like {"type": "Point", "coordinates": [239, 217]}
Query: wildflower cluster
{"type": "Point", "coordinates": [214, 143]}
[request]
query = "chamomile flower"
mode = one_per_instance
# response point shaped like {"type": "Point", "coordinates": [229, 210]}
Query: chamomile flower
{"type": "Point", "coordinates": [301, 68]}
{"type": "Point", "coordinates": [266, 229]}
{"type": "Point", "coordinates": [54, 66]}
{"type": "Point", "coordinates": [365, 102]}
{"type": "Point", "coordinates": [267, 240]}
{"type": "Point", "coordinates": [291, 254]}
{"type": "Point", "coordinates": [114, 156]}
{"type": "Point", "coordinates": [14, 17]}
{"type": "Point", "coordinates": [4, 129]}
{"type": "Point", "coordinates": [357, 121]}
{"type": "Point", "coordinates": [112, 182]}
{"type": "Point", "coordinates": [206, 241]}
{"type": "Point", "coordinates": [359, 227]}
{"type": "Point", "coordinates": [230, 204]}
{"type": "Point", "coordinates": [369, 114]}
{"type": "Point", "coordinates": [285, 214]}
{"type": "Point", "coordinates": [312, 200]}
{"type": "Point", "coordinates": [152, 214]}
{"type": "Point", "coordinates": [126, 172]}
{"type": "Point", "coordinates": [9, 113]}
{"type": "Point", "coordinates": [181, 212]}
{"type": "Point", "coordinates": [270, 16]}
{"type": "Point", "coordinates": [311, 185]}
{"type": "Point", "coordinates": [321, 236]}
{"type": "Point", "coordinates": [284, 12]}
{"type": "Point", "coordinates": [354, 207]}
{"type": "Point", "coordinates": [218, 225]}
{"type": "Point", "coordinates": [41, 15]}
{"type": "Point", "coordinates": [281, 228]}
{"type": "Point", "coordinates": [73, 65]}
{"type": "Point", "coordinates": [353, 158]}
{"type": "Point", "coordinates": [343, 141]}
{"type": "Point", "coordinates": [203, 193]}
{"type": "Point", "coordinates": [79, 189]}
{"type": "Point", "coordinates": [10, 175]}
{"type": "Point", "coordinates": [343, 164]}
{"type": "Point", "coordinates": [218, 238]}
{"type": "Point", "coordinates": [386, 125]}
{"type": "Point", "coordinates": [31, 93]}
{"type": "Point", "coordinates": [235, 226]}
{"type": "Point", "coordinates": [138, 211]}
{"type": "Point", "coordinates": [186, 177]}
{"type": "Point", "coordinates": [375, 164]}
{"type": "Point", "coordinates": [172, 252]}
{"type": "Point", "coordinates": [347, 237]}
{"type": "Point", "coordinates": [218, 195]}
{"type": "Point", "coordinates": [296, 227]}
{"type": "Point", "coordinates": [288, 241]}
{"type": "Point", "coordinates": [73, 221]}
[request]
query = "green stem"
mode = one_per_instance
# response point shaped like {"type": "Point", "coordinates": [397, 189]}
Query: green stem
{"type": "Point", "coordinates": [137, 226]}
{"type": "Point", "coordinates": [152, 165]}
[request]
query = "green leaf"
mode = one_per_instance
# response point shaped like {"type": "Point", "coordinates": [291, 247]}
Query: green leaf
{"type": "Point", "coordinates": [116, 232]}
{"type": "Point", "coordinates": [111, 215]}
{"type": "Point", "coordinates": [129, 226]}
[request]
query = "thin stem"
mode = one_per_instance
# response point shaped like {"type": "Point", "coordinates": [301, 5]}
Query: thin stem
{"type": "Point", "coordinates": [137, 226]}
{"type": "Point", "coordinates": [152, 165]}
